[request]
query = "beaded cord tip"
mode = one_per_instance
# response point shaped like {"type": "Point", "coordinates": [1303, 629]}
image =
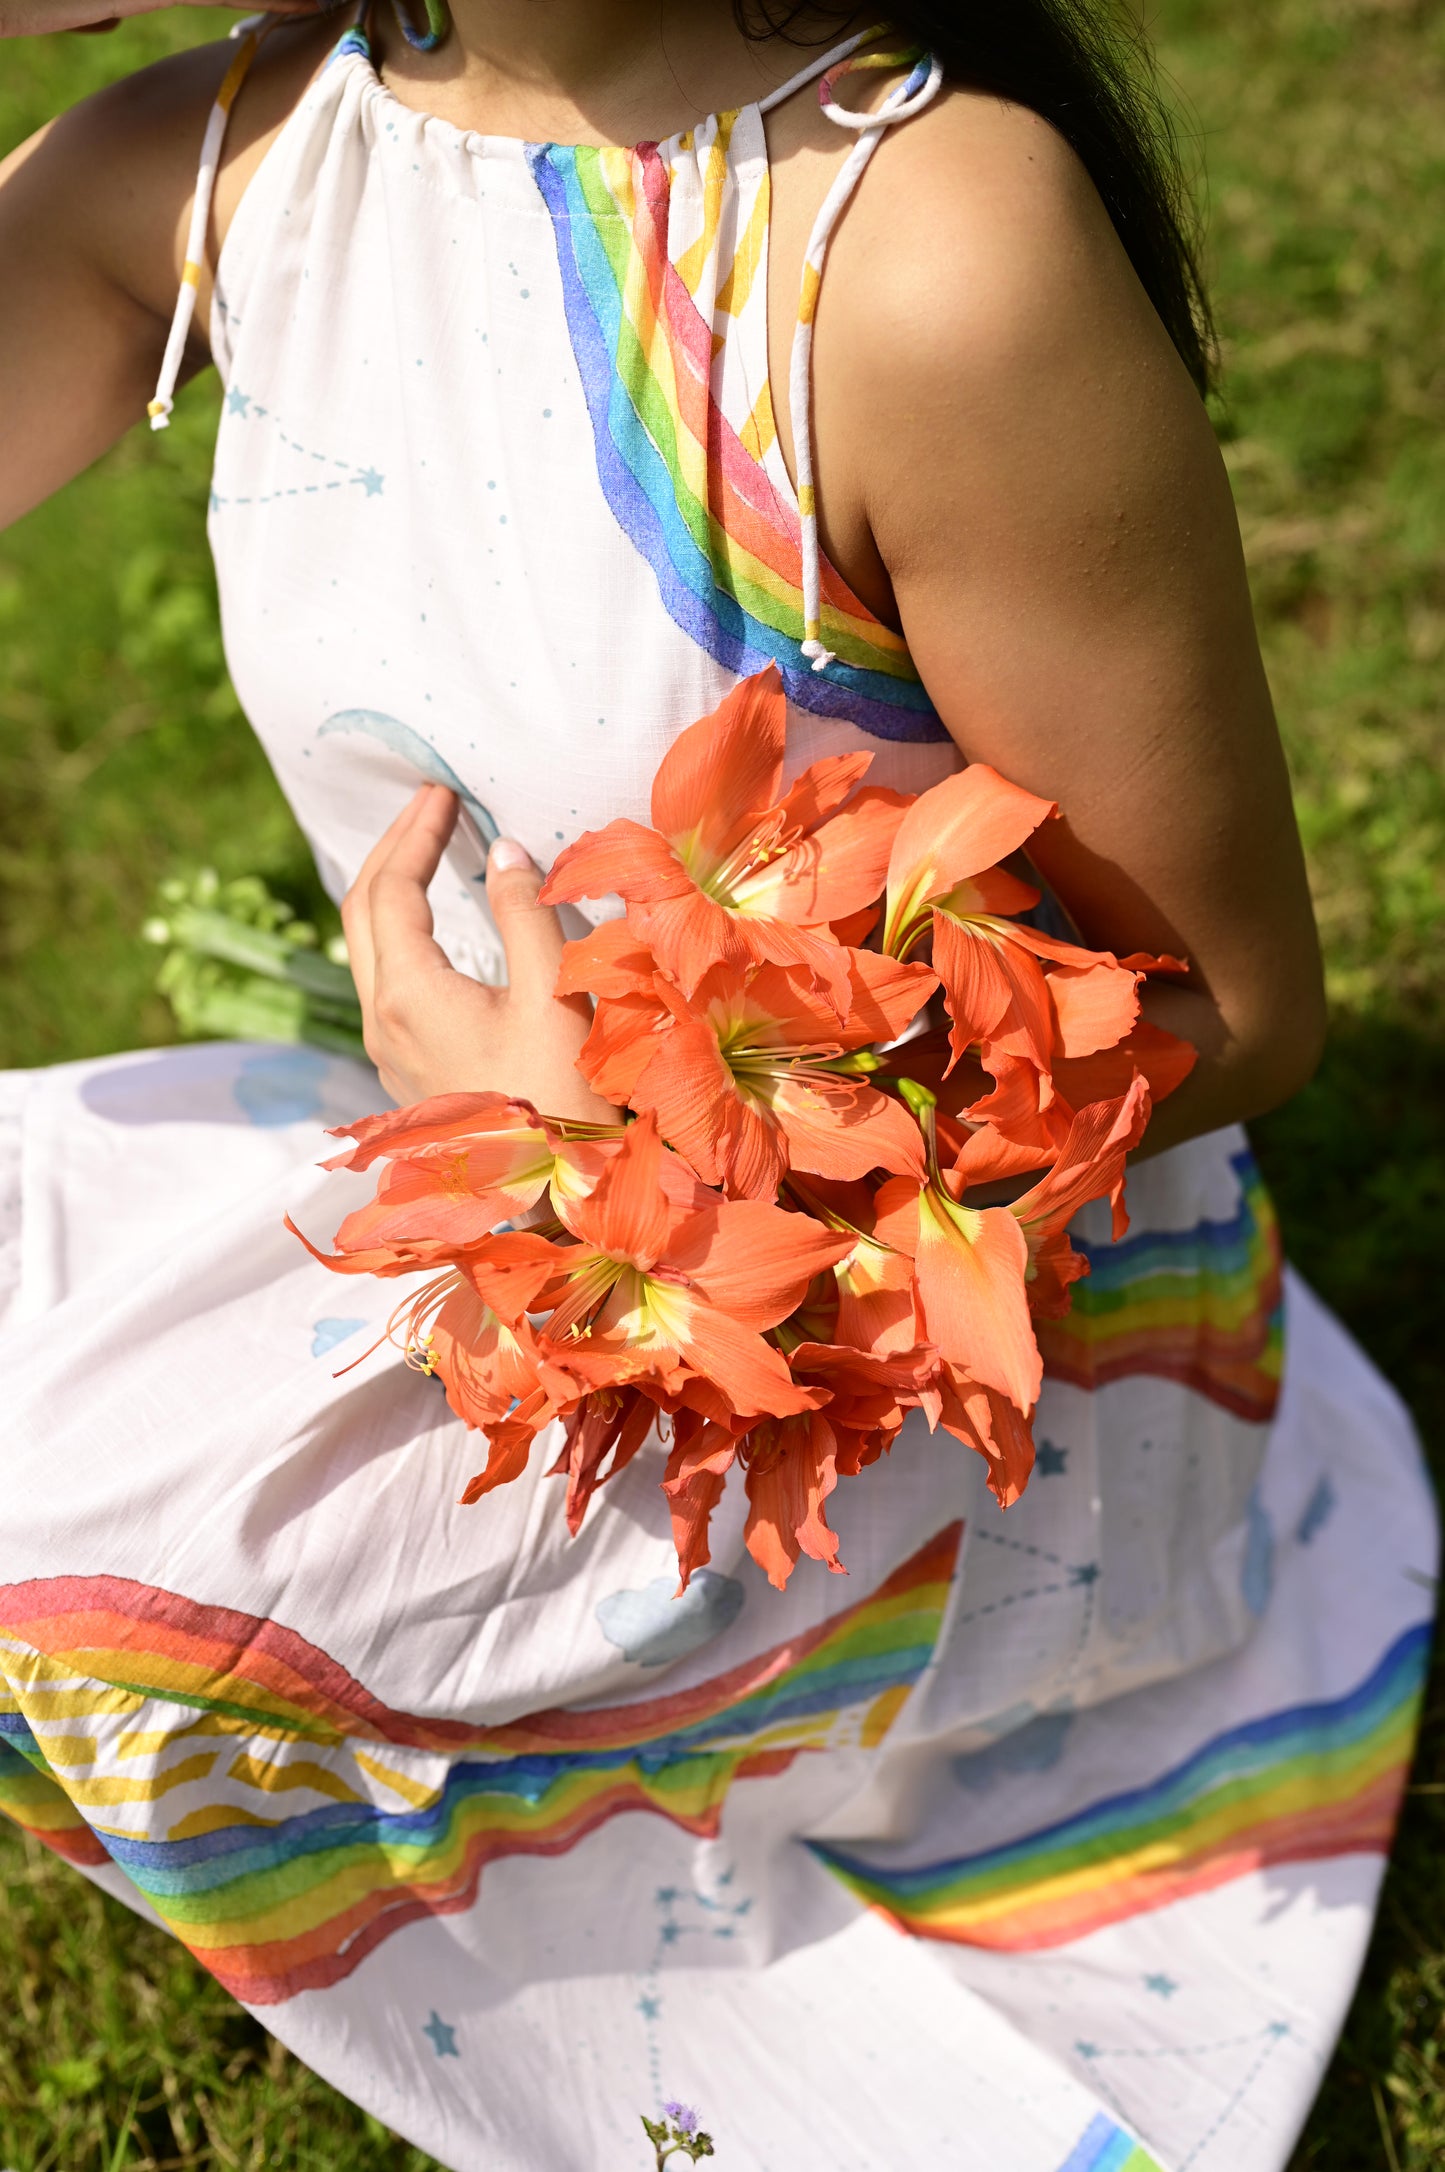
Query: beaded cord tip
{"type": "Point", "coordinates": [160, 414]}
{"type": "Point", "coordinates": [817, 655]}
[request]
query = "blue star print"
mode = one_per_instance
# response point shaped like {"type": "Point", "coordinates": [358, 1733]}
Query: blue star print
{"type": "Point", "coordinates": [649, 2008]}
{"type": "Point", "coordinates": [1050, 1462]}
{"type": "Point", "coordinates": [1164, 1987]}
{"type": "Point", "coordinates": [237, 401]}
{"type": "Point", "coordinates": [444, 2037]}
{"type": "Point", "coordinates": [371, 482]}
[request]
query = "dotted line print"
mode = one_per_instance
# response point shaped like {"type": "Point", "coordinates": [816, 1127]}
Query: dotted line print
{"type": "Point", "coordinates": [671, 1901]}
{"type": "Point", "coordinates": [242, 404]}
{"type": "Point", "coordinates": [1275, 2033]}
{"type": "Point", "coordinates": [1018, 1546]}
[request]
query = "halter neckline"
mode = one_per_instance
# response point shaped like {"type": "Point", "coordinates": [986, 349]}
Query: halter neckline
{"type": "Point", "coordinates": [356, 42]}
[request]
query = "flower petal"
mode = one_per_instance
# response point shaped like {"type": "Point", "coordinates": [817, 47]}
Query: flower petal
{"type": "Point", "coordinates": [620, 1044]}
{"type": "Point", "coordinates": [486, 1367]}
{"type": "Point", "coordinates": [820, 790]}
{"type": "Point", "coordinates": [697, 1469]}
{"type": "Point", "coordinates": [689, 934]}
{"type": "Point", "coordinates": [884, 997]}
{"type": "Point", "coordinates": [627, 1214]}
{"type": "Point", "coordinates": [509, 1445]}
{"type": "Point", "coordinates": [1094, 1006]}
{"type": "Point", "coordinates": [612, 961]}
{"type": "Point", "coordinates": [787, 1483]}
{"type": "Point", "coordinates": [750, 1372]}
{"type": "Point", "coordinates": [624, 858]}
{"type": "Point", "coordinates": [844, 1128]}
{"type": "Point", "coordinates": [510, 1272]}
{"type": "Point", "coordinates": [994, 1429]}
{"type": "Point", "coordinates": [1162, 1058]}
{"type": "Point", "coordinates": [971, 1277]}
{"type": "Point", "coordinates": [836, 870]}
{"type": "Point", "coordinates": [753, 1260]}
{"type": "Point", "coordinates": [978, 986]}
{"type": "Point", "coordinates": [721, 772]}
{"type": "Point", "coordinates": [445, 1119]}
{"type": "Point", "coordinates": [1091, 1164]}
{"type": "Point", "coordinates": [961, 826]}
{"type": "Point", "coordinates": [611, 1423]}
{"type": "Point", "coordinates": [686, 1085]}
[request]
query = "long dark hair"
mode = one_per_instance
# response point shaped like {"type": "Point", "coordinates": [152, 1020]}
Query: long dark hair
{"type": "Point", "coordinates": [1082, 68]}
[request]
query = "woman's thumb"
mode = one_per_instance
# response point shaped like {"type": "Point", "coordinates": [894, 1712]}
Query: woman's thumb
{"type": "Point", "coordinates": [531, 933]}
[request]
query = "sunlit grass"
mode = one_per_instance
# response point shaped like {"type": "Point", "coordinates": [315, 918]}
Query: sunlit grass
{"type": "Point", "coordinates": [122, 753]}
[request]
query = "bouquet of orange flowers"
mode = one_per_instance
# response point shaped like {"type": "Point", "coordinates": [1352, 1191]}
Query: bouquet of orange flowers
{"type": "Point", "coordinates": [781, 1250]}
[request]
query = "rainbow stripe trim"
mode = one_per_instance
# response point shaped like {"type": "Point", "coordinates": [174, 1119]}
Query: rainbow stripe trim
{"type": "Point", "coordinates": [1201, 1306]}
{"type": "Point", "coordinates": [1303, 1785]}
{"type": "Point", "coordinates": [721, 539]}
{"type": "Point", "coordinates": [121, 1696]}
{"type": "Point", "coordinates": [1103, 2147]}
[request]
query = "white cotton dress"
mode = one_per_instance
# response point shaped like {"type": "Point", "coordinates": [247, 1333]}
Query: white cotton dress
{"type": "Point", "coordinates": [1040, 1840]}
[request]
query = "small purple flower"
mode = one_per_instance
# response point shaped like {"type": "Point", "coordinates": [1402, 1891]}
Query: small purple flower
{"type": "Point", "coordinates": [683, 2117]}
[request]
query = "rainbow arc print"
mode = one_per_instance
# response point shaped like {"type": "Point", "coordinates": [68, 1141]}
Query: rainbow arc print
{"type": "Point", "coordinates": [1303, 1785]}
{"type": "Point", "coordinates": [687, 485]}
{"type": "Point", "coordinates": [1203, 1307]}
{"type": "Point", "coordinates": [283, 1822]}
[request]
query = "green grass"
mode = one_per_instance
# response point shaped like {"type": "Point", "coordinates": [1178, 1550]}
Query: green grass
{"type": "Point", "coordinates": [122, 753]}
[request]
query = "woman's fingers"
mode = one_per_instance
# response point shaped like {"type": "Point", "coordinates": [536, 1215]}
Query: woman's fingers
{"type": "Point", "coordinates": [531, 933]}
{"type": "Point", "coordinates": [397, 907]}
{"type": "Point", "coordinates": [356, 905]}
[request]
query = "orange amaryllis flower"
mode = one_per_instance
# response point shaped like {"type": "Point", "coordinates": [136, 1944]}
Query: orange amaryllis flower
{"type": "Point", "coordinates": [1033, 1111]}
{"type": "Point", "coordinates": [790, 1465]}
{"type": "Point", "coordinates": [943, 880]}
{"type": "Point", "coordinates": [972, 1267]}
{"type": "Point", "coordinates": [753, 1077]}
{"type": "Point", "coordinates": [871, 1395]}
{"type": "Point", "coordinates": [607, 1426]}
{"type": "Point", "coordinates": [874, 1304]}
{"type": "Point", "coordinates": [734, 870]}
{"type": "Point", "coordinates": [993, 1426]}
{"type": "Point", "coordinates": [979, 1279]}
{"type": "Point", "coordinates": [656, 1291]}
{"type": "Point", "coordinates": [1091, 1166]}
{"type": "Point", "coordinates": [459, 1164]}
{"type": "Point", "coordinates": [487, 1365]}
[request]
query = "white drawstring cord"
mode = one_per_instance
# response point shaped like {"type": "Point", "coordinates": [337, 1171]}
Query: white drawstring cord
{"type": "Point", "coordinates": [901, 104]}
{"type": "Point", "coordinates": [160, 407]}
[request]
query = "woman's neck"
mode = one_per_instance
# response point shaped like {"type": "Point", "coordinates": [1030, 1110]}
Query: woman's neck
{"type": "Point", "coordinates": [601, 71]}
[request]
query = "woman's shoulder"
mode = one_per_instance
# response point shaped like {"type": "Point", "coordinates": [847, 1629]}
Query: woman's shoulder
{"type": "Point", "coordinates": [994, 306]}
{"type": "Point", "coordinates": [985, 232]}
{"type": "Point", "coordinates": [122, 165]}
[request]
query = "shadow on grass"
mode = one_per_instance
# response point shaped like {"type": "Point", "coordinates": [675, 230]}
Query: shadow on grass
{"type": "Point", "coordinates": [1357, 1168]}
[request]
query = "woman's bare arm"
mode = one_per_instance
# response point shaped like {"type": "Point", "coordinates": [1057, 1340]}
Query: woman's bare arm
{"type": "Point", "coordinates": [1048, 503]}
{"type": "Point", "coordinates": [93, 218]}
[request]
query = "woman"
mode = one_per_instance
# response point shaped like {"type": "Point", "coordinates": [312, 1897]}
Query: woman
{"type": "Point", "coordinates": [495, 1835]}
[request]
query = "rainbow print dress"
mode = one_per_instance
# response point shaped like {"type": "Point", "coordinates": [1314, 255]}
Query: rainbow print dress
{"type": "Point", "coordinates": [1046, 1841]}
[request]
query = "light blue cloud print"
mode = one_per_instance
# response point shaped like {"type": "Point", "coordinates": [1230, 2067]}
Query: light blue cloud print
{"type": "Point", "coordinates": [1257, 1580]}
{"type": "Point", "coordinates": [1036, 1747]}
{"type": "Point", "coordinates": [422, 755]}
{"type": "Point", "coordinates": [651, 1627]}
{"type": "Point", "coordinates": [280, 1085]}
{"type": "Point", "coordinates": [326, 1334]}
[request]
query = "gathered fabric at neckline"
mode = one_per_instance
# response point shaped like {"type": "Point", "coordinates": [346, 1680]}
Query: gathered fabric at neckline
{"type": "Point", "coordinates": [354, 47]}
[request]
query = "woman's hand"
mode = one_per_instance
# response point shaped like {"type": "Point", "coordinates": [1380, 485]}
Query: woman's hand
{"type": "Point", "coordinates": [431, 1030]}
